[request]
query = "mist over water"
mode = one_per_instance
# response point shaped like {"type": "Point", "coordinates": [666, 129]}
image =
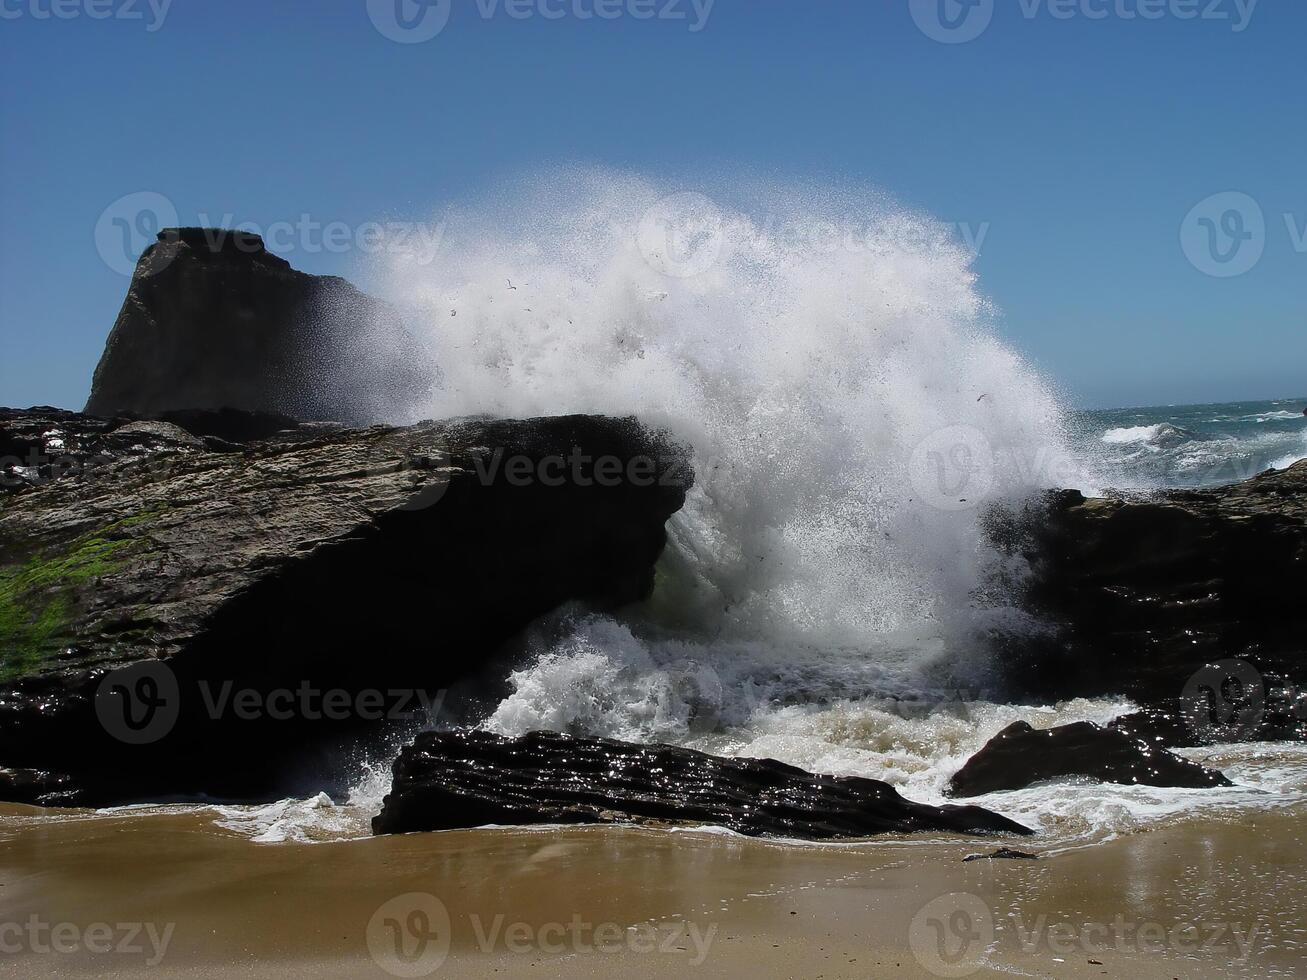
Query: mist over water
{"type": "Point", "coordinates": [831, 362]}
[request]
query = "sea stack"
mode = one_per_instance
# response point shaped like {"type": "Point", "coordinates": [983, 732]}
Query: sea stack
{"type": "Point", "coordinates": [214, 320]}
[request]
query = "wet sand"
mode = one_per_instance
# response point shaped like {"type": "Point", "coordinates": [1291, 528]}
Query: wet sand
{"type": "Point", "coordinates": [599, 902]}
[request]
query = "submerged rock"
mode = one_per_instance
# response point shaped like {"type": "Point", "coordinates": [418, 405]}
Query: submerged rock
{"type": "Point", "coordinates": [450, 780]}
{"type": "Point", "coordinates": [183, 616]}
{"type": "Point", "coordinates": [1020, 755]}
{"type": "Point", "coordinates": [1144, 592]}
{"type": "Point", "coordinates": [212, 320]}
{"type": "Point", "coordinates": [1002, 854]}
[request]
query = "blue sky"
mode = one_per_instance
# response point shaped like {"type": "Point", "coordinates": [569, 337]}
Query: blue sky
{"type": "Point", "coordinates": [1080, 141]}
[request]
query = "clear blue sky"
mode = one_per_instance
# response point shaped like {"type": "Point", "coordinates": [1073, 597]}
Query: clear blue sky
{"type": "Point", "coordinates": [1082, 142]}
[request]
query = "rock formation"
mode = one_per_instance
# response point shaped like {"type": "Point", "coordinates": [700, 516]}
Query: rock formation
{"type": "Point", "coordinates": [1145, 591]}
{"type": "Point", "coordinates": [449, 780]}
{"type": "Point", "coordinates": [385, 560]}
{"type": "Point", "coordinates": [212, 320]}
{"type": "Point", "coordinates": [1020, 755]}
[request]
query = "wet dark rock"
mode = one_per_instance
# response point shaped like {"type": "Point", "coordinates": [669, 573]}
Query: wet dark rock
{"type": "Point", "coordinates": [1002, 854]}
{"type": "Point", "coordinates": [1229, 702]}
{"type": "Point", "coordinates": [381, 561]}
{"type": "Point", "coordinates": [212, 321]}
{"type": "Point", "coordinates": [1142, 592]}
{"type": "Point", "coordinates": [1020, 755]}
{"type": "Point", "coordinates": [36, 788]}
{"type": "Point", "coordinates": [450, 780]}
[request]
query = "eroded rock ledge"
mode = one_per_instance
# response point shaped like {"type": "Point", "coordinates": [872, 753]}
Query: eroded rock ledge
{"type": "Point", "coordinates": [379, 559]}
{"type": "Point", "coordinates": [1144, 591]}
{"type": "Point", "coordinates": [451, 780]}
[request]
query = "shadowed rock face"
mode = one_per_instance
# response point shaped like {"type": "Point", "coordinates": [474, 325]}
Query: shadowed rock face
{"type": "Point", "coordinates": [1020, 755]}
{"type": "Point", "coordinates": [449, 780]}
{"type": "Point", "coordinates": [1144, 591]}
{"type": "Point", "coordinates": [378, 560]}
{"type": "Point", "coordinates": [213, 320]}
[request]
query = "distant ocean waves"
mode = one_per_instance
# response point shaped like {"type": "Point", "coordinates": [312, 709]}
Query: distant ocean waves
{"type": "Point", "coordinates": [1193, 445]}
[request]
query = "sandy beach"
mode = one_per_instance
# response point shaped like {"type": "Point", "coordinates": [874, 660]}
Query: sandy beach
{"type": "Point", "coordinates": [168, 894]}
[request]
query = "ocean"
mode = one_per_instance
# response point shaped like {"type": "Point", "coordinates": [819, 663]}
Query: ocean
{"type": "Point", "coordinates": [1192, 445]}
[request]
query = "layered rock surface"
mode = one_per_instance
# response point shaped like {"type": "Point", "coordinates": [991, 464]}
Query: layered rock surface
{"type": "Point", "coordinates": [450, 780]}
{"type": "Point", "coordinates": [379, 560]}
{"type": "Point", "coordinates": [1145, 591]}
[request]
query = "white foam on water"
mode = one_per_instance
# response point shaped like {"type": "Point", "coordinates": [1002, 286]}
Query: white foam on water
{"type": "Point", "coordinates": [1273, 417]}
{"type": "Point", "coordinates": [825, 380]}
{"type": "Point", "coordinates": [318, 819]}
{"type": "Point", "coordinates": [1131, 434]}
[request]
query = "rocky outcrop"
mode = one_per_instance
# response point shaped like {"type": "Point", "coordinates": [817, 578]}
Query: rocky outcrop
{"type": "Point", "coordinates": [1020, 755]}
{"type": "Point", "coordinates": [450, 780]}
{"type": "Point", "coordinates": [1142, 593]}
{"type": "Point", "coordinates": [212, 320]}
{"type": "Point", "coordinates": [151, 578]}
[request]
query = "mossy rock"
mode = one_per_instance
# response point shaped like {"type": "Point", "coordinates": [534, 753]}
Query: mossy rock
{"type": "Point", "coordinates": [38, 597]}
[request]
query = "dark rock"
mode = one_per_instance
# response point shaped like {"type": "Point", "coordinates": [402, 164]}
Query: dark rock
{"type": "Point", "coordinates": [1002, 854]}
{"type": "Point", "coordinates": [36, 788]}
{"type": "Point", "coordinates": [1227, 702]}
{"type": "Point", "coordinates": [387, 561]}
{"type": "Point", "coordinates": [1143, 592]}
{"type": "Point", "coordinates": [212, 321]}
{"type": "Point", "coordinates": [1019, 755]}
{"type": "Point", "coordinates": [451, 780]}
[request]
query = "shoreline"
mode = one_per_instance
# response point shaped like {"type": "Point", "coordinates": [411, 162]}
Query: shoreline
{"type": "Point", "coordinates": [588, 901]}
